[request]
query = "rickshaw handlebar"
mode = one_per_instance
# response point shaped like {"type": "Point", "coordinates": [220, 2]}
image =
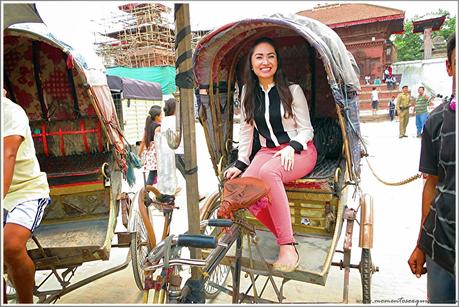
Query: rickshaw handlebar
{"type": "Point", "coordinates": [187, 240]}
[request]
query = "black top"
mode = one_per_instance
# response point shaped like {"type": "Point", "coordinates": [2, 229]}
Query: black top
{"type": "Point", "coordinates": [275, 119]}
{"type": "Point", "coordinates": [438, 157]}
{"type": "Point", "coordinates": [269, 123]}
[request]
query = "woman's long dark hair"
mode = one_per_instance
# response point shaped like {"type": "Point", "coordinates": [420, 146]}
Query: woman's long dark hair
{"type": "Point", "coordinates": [150, 125]}
{"type": "Point", "coordinates": [252, 84]}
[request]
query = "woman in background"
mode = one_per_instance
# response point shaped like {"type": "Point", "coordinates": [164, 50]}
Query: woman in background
{"type": "Point", "coordinates": [147, 150]}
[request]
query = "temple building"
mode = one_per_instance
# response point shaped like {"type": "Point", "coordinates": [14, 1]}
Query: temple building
{"type": "Point", "coordinates": [365, 30]}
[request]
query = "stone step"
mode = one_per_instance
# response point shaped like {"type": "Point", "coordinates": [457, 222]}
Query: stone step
{"type": "Point", "coordinates": [369, 87]}
{"type": "Point", "coordinates": [385, 95]}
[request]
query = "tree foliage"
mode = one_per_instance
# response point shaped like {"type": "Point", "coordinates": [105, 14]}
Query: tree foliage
{"type": "Point", "coordinates": [410, 46]}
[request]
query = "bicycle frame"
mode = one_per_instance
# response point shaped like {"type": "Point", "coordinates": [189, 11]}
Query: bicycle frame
{"type": "Point", "coordinates": [169, 281]}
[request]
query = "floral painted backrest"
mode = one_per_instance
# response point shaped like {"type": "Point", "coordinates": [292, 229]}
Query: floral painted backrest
{"type": "Point", "coordinates": [28, 60]}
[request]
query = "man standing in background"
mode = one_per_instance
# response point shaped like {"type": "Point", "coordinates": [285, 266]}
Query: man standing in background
{"type": "Point", "coordinates": [403, 110]}
{"type": "Point", "coordinates": [422, 102]}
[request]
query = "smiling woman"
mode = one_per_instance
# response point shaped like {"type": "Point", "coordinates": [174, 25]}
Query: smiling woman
{"type": "Point", "coordinates": [279, 113]}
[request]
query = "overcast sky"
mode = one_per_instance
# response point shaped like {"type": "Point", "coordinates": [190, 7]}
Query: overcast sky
{"type": "Point", "coordinates": [71, 21]}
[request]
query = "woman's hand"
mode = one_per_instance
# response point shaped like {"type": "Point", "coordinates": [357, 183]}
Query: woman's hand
{"type": "Point", "coordinates": [232, 172]}
{"type": "Point", "coordinates": [287, 155]}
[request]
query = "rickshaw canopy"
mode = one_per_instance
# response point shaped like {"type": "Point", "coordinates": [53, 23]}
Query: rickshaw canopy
{"type": "Point", "coordinates": [91, 88]}
{"type": "Point", "coordinates": [219, 54]}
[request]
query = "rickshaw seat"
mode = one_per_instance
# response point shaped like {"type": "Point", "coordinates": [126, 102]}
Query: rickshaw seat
{"type": "Point", "coordinates": [77, 223]}
{"type": "Point", "coordinates": [73, 169]}
{"type": "Point", "coordinates": [328, 142]}
{"type": "Point", "coordinates": [324, 178]}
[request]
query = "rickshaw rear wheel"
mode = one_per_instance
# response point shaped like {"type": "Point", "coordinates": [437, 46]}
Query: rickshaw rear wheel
{"type": "Point", "coordinates": [139, 249]}
{"type": "Point", "coordinates": [221, 272]}
{"type": "Point", "coordinates": [366, 272]}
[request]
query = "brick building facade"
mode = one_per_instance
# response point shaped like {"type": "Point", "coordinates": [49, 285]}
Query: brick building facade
{"type": "Point", "coordinates": [365, 30]}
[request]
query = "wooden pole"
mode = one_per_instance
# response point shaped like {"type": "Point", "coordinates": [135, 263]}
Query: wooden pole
{"type": "Point", "coordinates": [185, 82]}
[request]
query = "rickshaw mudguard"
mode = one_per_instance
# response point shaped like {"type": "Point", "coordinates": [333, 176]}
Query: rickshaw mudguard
{"type": "Point", "coordinates": [366, 222]}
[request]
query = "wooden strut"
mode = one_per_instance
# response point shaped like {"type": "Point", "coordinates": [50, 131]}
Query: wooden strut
{"type": "Point", "coordinates": [76, 107]}
{"type": "Point", "coordinates": [183, 45]}
{"type": "Point", "coordinates": [38, 84]}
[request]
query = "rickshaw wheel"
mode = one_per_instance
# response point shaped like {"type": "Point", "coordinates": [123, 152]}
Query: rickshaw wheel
{"type": "Point", "coordinates": [139, 250]}
{"type": "Point", "coordinates": [221, 272]}
{"type": "Point", "coordinates": [366, 271]}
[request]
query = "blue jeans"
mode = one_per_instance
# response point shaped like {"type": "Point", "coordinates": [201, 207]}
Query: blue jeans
{"type": "Point", "coordinates": [441, 284]}
{"type": "Point", "coordinates": [420, 121]}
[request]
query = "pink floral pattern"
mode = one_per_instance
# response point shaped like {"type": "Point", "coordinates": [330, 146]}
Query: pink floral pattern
{"type": "Point", "coordinates": [149, 158]}
{"type": "Point", "coordinates": [57, 90]}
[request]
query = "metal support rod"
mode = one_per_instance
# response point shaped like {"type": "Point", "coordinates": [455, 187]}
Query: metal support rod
{"type": "Point", "coordinates": [185, 82]}
{"type": "Point", "coordinates": [59, 293]}
{"type": "Point", "coordinates": [237, 271]}
{"type": "Point", "coordinates": [349, 216]}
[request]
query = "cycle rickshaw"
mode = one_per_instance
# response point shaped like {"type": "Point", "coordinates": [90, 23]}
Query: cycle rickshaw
{"type": "Point", "coordinates": [79, 144]}
{"type": "Point", "coordinates": [315, 58]}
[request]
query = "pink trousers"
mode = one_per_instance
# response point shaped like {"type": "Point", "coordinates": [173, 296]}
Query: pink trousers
{"type": "Point", "coordinates": [276, 214]}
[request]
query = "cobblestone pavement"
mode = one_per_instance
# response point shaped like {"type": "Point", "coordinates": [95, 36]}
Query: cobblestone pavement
{"type": "Point", "coordinates": [396, 225]}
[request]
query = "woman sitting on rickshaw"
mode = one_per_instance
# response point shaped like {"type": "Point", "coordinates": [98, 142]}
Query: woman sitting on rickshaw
{"type": "Point", "coordinates": [280, 114]}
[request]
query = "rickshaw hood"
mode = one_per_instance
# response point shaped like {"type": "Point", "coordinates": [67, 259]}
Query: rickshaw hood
{"type": "Point", "coordinates": [343, 68]}
{"type": "Point", "coordinates": [342, 72]}
{"type": "Point", "coordinates": [91, 70]}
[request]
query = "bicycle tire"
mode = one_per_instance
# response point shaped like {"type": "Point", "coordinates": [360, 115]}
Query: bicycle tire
{"type": "Point", "coordinates": [366, 272]}
{"type": "Point", "coordinates": [221, 272]}
{"type": "Point", "coordinates": [139, 249]}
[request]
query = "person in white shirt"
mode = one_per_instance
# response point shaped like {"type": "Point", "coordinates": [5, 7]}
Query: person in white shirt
{"type": "Point", "coordinates": [25, 197]}
{"type": "Point", "coordinates": [374, 101]}
{"type": "Point", "coordinates": [169, 122]}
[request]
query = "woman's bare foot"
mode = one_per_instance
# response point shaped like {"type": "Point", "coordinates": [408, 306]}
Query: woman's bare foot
{"type": "Point", "coordinates": [288, 259]}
